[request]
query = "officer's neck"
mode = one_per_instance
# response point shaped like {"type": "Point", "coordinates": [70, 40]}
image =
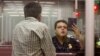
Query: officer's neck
{"type": "Point", "coordinates": [61, 39]}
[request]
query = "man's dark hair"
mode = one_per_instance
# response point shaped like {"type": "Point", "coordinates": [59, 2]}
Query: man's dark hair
{"type": "Point", "coordinates": [59, 22]}
{"type": "Point", "coordinates": [32, 9]}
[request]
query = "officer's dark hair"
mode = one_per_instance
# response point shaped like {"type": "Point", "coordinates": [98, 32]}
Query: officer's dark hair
{"type": "Point", "coordinates": [32, 9]}
{"type": "Point", "coordinates": [58, 21]}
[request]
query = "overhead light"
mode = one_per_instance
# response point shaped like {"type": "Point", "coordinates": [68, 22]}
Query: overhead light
{"type": "Point", "coordinates": [8, 9]}
{"type": "Point", "coordinates": [19, 9]}
{"type": "Point", "coordinates": [49, 5]}
{"type": "Point", "coordinates": [16, 12]}
{"type": "Point", "coordinates": [45, 12]}
{"type": "Point", "coordinates": [47, 2]}
{"type": "Point", "coordinates": [20, 12]}
{"type": "Point", "coordinates": [12, 12]}
{"type": "Point", "coordinates": [45, 15]}
{"type": "Point", "coordinates": [14, 15]}
{"type": "Point", "coordinates": [19, 4]}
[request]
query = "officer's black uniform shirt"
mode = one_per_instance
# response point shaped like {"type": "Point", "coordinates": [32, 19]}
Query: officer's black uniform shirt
{"type": "Point", "coordinates": [69, 45]}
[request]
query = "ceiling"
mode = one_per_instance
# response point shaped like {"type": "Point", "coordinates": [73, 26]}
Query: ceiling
{"type": "Point", "coordinates": [40, 0]}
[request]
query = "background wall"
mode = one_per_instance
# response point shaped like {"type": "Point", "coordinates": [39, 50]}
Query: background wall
{"type": "Point", "coordinates": [52, 11]}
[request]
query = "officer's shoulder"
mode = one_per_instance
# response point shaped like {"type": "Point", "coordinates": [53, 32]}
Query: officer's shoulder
{"type": "Point", "coordinates": [72, 38]}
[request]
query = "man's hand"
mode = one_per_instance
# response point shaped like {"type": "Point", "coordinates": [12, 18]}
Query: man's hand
{"type": "Point", "coordinates": [78, 35]}
{"type": "Point", "coordinates": [76, 30]}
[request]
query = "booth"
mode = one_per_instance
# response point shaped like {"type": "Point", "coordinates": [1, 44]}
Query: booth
{"type": "Point", "coordinates": [65, 54]}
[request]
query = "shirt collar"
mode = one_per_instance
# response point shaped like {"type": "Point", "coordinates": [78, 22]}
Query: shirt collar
{"type": "Point", "coordinates": [56, 41]}
{"type": "Point", "coordinates": [31, 18]}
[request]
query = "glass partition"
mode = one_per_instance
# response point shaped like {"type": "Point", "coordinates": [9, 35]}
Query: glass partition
{"type": "Point", "coordinates": [11, 13]}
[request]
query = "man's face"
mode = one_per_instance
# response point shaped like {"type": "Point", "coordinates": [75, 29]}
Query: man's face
{"type": "Point", "coordinates": [61, 29]}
